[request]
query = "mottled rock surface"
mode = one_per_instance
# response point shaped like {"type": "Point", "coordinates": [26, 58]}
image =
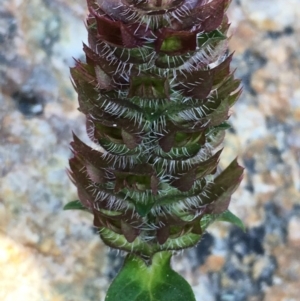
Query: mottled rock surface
{"type": "Point", "coordinates": [50, 255]}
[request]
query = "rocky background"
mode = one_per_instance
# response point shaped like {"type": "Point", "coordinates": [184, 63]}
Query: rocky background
{"type": "Point", "coordinates": [47, 254]}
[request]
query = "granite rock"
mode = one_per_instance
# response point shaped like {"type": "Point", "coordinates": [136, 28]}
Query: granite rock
{"type": "Point", "coordinates": [64, 255]}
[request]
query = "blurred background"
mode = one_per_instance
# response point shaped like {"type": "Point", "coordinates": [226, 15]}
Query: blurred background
{"type": "Point", "coordinates": [47, 254]}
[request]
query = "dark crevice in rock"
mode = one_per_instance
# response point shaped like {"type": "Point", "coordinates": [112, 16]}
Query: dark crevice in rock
{"type": "Point", "coordinates": [203, 249]}
{"type": "Point", "coordinates": [243, 243]}
{"type": "Point", "coordinates": [115, 262]}
{"type": "Point", "coordinates": [28, 103]}
{"type": "Point", "coordinates": [248, 63]}
{"type": "Point", "coordinates": [278, 34]}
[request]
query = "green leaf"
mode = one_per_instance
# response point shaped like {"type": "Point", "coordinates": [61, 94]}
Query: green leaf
{"type": "Point", "coordinates": [229, 217]}
{"type": "Point", "coordinates": [76, 205]}
{"type": "Point", "coordinates": [155, 282]}
{"type": "Point", "coordinates": [152, 87]}
{"type": "Point", "coordinates": [221, 127]}
{"type": "Point", "coordinates": [143, 208]}
{"type": "Point", "coordinates": [213, 36]}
